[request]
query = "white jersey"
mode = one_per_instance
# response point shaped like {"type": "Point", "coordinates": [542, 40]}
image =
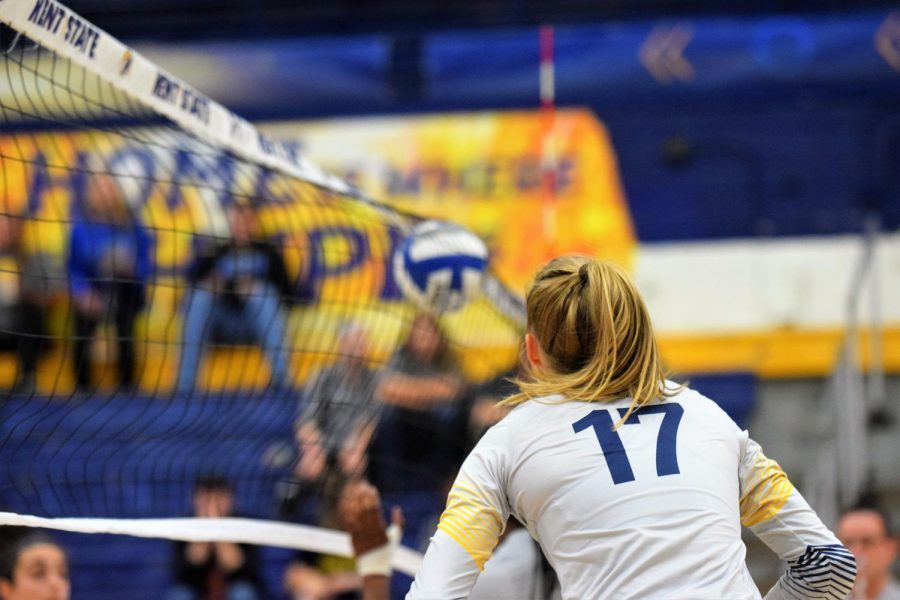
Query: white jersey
{"type": "Point", "coordinates": [515, 571]}
{"type": "Point", "coordinates": [652, 509]}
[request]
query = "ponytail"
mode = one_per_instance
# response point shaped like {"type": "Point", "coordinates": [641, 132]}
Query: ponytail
{"type": "Point", "coordinates": [595, 333]}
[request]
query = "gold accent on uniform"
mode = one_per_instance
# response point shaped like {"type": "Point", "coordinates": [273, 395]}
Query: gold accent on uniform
{"type": "Point", "coordinates": [472, 522]}
{"type": "Point", "coordinates": [766, 492]}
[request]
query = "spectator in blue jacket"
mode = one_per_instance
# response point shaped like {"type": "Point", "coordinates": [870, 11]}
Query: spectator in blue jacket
{"type": "Point", "coordinates": [108, 266]}
{"type": "Point", "coordinates": [237, 289]}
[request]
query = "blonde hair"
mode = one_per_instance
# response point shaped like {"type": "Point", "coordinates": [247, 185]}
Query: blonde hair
{"type": "Point", "coordinates": [595, 335]}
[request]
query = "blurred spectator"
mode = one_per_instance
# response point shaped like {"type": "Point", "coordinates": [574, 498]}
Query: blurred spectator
{"type": "Point", "coordinates": [26, 290]}
{"type": "Point", "coordinates": [867, 533]}
{"type": "Point", "coordinates": [32, 566]}
{"type": "Point", "coordinates": [332, 437]}
{"type": "Point", "coordinates": [334, 431]}
{"type": "Point", "coordinates": [108, 265]}
{"type": "Point", "coordinates": [313, 576]}
{"type": "Point", "coordinates": [484, 412]}
{"type": "Point", "coordinates": [237, 289]}
{"type": "Point", "coordinates": [214, 570]}
{"type": "Point", "coordinates": [420, 439]}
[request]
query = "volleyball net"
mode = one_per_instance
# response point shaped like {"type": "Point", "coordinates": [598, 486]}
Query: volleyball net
{"type": "Point", "coordinates": [185, 299]}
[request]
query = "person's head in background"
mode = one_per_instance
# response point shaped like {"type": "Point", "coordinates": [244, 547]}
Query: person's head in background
{"type": "Point", "coordinates": [213, 497]}
{"type": "Point", "coordinates": [104, 200]}
{"type": "Point", "coordinates": [32, 566]}
{"type": "Point", "coordinates": [866, 531]}
{"type": "Point", "coordinates": [426, 343]}
{"type": "Point", "coordinates": [243, 222]}
{"type": "Point", "coordinates": [353, 344]}
{"type": "Point", "coordinates": [10, 231]}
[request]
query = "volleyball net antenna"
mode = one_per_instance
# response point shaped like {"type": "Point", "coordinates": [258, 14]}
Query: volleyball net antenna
{"type": "Point", "coordinates": [180, 294]}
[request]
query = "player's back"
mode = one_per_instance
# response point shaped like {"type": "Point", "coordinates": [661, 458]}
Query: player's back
{"type": "Point", "coordinates": [649, 510]}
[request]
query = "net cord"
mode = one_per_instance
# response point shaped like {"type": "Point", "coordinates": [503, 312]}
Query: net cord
{"type": "Point", "coordinates": [226, 529]}
{"type": "Point", "coordinates": [130, 72]}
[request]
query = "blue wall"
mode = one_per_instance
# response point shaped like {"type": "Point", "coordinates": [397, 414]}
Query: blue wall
{"type": "Point", "coordinates": [786, 125]}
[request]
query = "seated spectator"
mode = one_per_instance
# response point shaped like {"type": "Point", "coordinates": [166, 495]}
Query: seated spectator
{"type": "Point", "coordinates": [237, 287]}
{"type": "Point", "coordinates": [334, 431]}
{"type": "Point", "coordinates": [866, 531]}
{"type": "Point", "coordinates": [108, 265]}
{"type": "Point", "coordinates": [484, 412]}
{"type": "Point", "coordinates": [314, 576]}
{"type": "Point", "coordinates": [214, 570]}
{"type": "Point", "coordinates": [32, 566]}
{"type": "Point", "coordinates": [420, 439]}
{"type": "Point", "coordinates": [26, 291]}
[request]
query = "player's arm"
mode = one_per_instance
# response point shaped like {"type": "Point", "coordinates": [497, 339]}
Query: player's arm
{"type": "Point", "coordinates": [818, 565]}
{"type": "Point", "coordinates": [417, 391]}
{"type": "Point", "coordinates": [470, 526]}
{"type": "Point", "coordinates": [373, 542]}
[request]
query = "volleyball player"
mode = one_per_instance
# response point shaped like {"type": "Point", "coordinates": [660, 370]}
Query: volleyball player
{"type": "Point", "coordinates": [633, 486]}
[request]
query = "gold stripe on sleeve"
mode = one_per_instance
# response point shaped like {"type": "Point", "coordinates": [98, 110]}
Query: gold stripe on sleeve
{"type": "Point", "coordinates": [471, 521]}
{"type": "Point", "coordinates": [765, 493]}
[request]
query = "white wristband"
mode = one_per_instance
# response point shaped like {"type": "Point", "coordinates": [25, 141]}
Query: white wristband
{"type": "Point", "coordinates": [378, 560]}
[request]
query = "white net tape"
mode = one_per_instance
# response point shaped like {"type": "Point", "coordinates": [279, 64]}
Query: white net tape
{"type": "Point", "coordinates": [231, 529]}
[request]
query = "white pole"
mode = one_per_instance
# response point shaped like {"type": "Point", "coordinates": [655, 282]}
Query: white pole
{"type": "Point", "coordinates": [877, 395]}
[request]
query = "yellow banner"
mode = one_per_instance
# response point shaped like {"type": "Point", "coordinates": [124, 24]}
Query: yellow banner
{"type": "Point", "coordinates": [486, 171]}
{"type": "Point", "coordinates": [482, 170]}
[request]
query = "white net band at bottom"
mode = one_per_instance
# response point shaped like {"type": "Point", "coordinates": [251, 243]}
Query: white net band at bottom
{"type": "Point", "coordinates": [227, 529]}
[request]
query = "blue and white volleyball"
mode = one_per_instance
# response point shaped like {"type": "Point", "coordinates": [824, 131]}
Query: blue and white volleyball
{"type": "Point", "coordinates": [440, 266]}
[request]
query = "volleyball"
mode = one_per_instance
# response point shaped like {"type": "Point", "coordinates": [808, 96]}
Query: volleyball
{"type": "Point", "coordinates": [440, 266]}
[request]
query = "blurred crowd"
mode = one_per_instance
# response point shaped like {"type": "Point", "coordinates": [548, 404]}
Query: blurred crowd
{"type": "Point", "coordinates": [405, 426]}
{"type": "Point", "coordinates": [404, 423]}
{"type": "Point", "coordinates": [237, 292]}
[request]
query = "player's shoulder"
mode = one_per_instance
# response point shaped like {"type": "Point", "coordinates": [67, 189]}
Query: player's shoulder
{"type": "Point", "coordinates": [546, 413]}
{"type": "Point", "coordinates": [535, 411]}
{"type": "Point", "coordinates": [688, 396]}
{"type": "Point", "coordinates": [526, 418]}
{"type": "Point", "coordinates": [705, 408]}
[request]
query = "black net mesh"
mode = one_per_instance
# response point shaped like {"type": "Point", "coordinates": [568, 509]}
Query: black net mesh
{"type": "Point", "coordinates": [171, 313]}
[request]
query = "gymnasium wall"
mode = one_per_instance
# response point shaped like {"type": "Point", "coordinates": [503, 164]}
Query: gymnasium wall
{"type": "Point", "coordinates": [752, 150]}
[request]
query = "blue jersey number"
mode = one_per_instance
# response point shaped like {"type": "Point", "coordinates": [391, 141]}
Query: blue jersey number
{"type": "Point", "coordinates": [611, 443]}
